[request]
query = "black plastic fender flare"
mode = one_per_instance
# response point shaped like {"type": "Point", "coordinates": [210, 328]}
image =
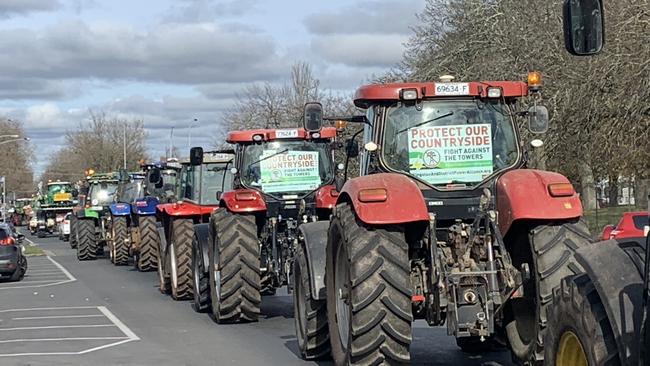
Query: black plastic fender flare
{"type": "Point", "coordinates": [314, 236]}
{"type": "Point", "coordinates": [201, 231]}
{"type": "Point", "coordinates": [619, 283]}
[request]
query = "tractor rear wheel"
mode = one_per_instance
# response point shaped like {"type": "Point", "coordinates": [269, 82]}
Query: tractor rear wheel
{"type": "Point", "coordinates": [86, 239]}
{"type": "Point", "coordinates": [147, 257]}
{"type": "Point", "coordinates": [201, 283]}
{"type": "Point", "coordinates": [180, 255]}
{"type": "Point", "coordinates": [550, 257]}
{"type": "Point", "coordinates": [310, 315]}
{"type": "Point", "coordinates": [235, 269]}
{"type": "Point", "coordinates": [368, 293]}
{"type": "Point", "coordinates": [73, 234]}
{"type": "Point", "coordinates": [579, 332]}
{"type": "Point", "coordinates": [120, 247]}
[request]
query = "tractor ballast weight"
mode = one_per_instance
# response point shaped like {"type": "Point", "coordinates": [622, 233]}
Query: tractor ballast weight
{"type": "Point", "coordinates": [446, 223]}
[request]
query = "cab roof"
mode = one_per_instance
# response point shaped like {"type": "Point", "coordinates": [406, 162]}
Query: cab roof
{"type": "Point", "coordinates": [376, 93]}
{"type": "Point", "coordinates": [300, 133]}
{"type": "Point", "coordinates": [53, 183]}
{"type": "Point", "coordinates": [215, 157]}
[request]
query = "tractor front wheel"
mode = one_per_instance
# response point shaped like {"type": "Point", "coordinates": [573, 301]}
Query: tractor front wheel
{"type": "Point", "coordinates": [120, 247]}
{"type": "Point", "coordinates": [86, 239]}
{"type": "Point", "coordinates": [579, 333]}
{"type": "Point", "coordinates": [368, 292]}
{"type": "Point", "coordinates": [548, 251]}
{"type": "Point", "coordinates": [235, 269]}
{"type": "Point", "coordinates": [147, 256]}
{"type": "Point", "coordinates": [180, 252]}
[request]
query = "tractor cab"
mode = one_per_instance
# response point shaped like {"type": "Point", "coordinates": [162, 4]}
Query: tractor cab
{"type": "Point", "coordinates": [161, 180]}
{"type": "Point", "coordinates": [204, 179]}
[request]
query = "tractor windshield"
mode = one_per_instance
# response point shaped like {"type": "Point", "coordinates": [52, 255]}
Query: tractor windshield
{"type": "Point", "coordinates": [213, 181]}
{"type": "Point", "coordinates": [59, 188]}
{"type": "Point", "coordinates": [287, 167]}
{"type": "Point", "coordinates": [443, 142]}
{"type": "Point", "coordinates": [132, 191]}
{"type": "Point", "coordinates": [102, 193]}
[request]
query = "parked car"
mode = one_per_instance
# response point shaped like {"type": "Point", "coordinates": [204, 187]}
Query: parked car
{"type": "Point", "coordinates": [13, 263]}
{"type": "Point", "coordinates": [632, 225]}
{"type": "Point", "coordinates": [64, 227]}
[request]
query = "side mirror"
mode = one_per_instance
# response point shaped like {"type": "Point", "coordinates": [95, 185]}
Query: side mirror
{"type": "Point", "coordinates": [196, 156]}
{"type": "Point", "coordinates": [339, 181]}
{"type": "Point", "coordinates": [352, 148]}
{"type": "Point", "coordinates": [219, 193]}
{"type": "Point", "coordinates": [538, 119]}
{"type": "Point", "coordinates": [155, 176]}
{"type": "Point", "coordinates": [584, 32]}
{"type": "Point", "coordinates": [313, 119]}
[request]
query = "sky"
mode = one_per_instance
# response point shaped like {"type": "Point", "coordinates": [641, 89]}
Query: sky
{"type": "Point", "coordinates": [169, 62]}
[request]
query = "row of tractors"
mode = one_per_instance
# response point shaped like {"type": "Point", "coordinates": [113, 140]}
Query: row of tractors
{"type": "Point", "coordinates": [445, 222]}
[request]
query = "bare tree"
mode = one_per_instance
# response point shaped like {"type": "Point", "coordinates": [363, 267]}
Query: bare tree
{"type": "Point", "coordinates": [15, 159]}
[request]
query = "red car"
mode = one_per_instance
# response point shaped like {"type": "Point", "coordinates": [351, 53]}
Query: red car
{"type": "Point", "coordinates": [632, 225]}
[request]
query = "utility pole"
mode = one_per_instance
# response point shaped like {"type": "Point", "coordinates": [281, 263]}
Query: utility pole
{"type": "Point", "coordinates": [4, 196]}
{"type": "Point", "coordinates": [171, 143]}
{"type": "Point", "coordinates": [189, 136]}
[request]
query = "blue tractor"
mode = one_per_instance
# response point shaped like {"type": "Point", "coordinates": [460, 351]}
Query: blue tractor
{"type": "Point", "coordinates": [133, 232]}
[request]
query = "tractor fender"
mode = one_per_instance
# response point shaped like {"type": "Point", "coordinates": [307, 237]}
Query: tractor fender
{"type": "Point", "coordinates": [314, 235]}
{"type": "Point", "coordinates": [404, 202]}
{"type": "Point", "coordinates": [145, 206]}
{"type": "Point", "coordinates": [326, 197]}
{"type": "Point", "coordinates": [179, 209]}
{"type": "Point", "coordinates": [619, 283]}
{"type": "Point", "coordinates": [201, 231]}
{"type": "Point", "coordinates": [523, 194]}
{"type": "Point", "coordinates": [243, 200]}
{"type": "Point", "coordinates": [120, 209]}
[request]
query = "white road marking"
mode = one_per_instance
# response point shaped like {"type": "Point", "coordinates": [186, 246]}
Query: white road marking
{"type": "Point", "coordinates": [129, 335]}
{"type": "Point", "coordinates": [44, 283]}
{"type": "Point", "coordinates": [63, 339]}
{"type": "Point", "coordinates": [59, 317]}
{"type": "Point", "coordinates": [61, 327]}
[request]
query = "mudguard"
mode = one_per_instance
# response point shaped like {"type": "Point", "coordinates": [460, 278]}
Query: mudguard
{"type": "Point", "coordinates": [243, 200]}
{"type": "Point", "coordinates": [326, 197]}
{"type": "Point", "coordinates": [404, 202]}
{"type": "Point", "coordinates": [178, 209]}
{"type": "Point", "coordinates": [88, 213]}
{"type": "Point", "coordinates": [619, 282]}
{"type": "Point", "coordinates": [523, 195]}
{"type": "Point", "coordinates": [145, 206]}
{"type": "Point", "coordinates": [201, 231]}
{"type": "Point", "coordinates": [120, 209]}
{"type": "Point", "coordinates": [315, 242]}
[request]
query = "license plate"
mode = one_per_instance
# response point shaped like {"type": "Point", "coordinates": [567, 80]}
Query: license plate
{"type": "Point", "coordinates": [452, 89]}
{"type": "Point", "coordinates": [286, 134]}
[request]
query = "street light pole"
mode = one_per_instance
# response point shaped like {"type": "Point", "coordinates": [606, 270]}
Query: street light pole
{"type": "Point", "coordinates": [14, 140]}
{"type": "Point", "coordinates": [189, 136]}
{"type": "Point", "coordinates": [9, 136]}
{"type": "Point", "coordinates": [124, 145]}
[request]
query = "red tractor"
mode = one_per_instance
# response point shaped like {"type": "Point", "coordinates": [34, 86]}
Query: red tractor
{"type": "Point", "coordinates": [201, 184]}
{"type": "Point", "coordinates": [446, 223]}
{"type": "Point", "coordinates": [283, 188]}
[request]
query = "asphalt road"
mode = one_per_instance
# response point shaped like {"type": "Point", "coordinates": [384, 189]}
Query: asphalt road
{"type": "Point", "coordinates": [67, 312]}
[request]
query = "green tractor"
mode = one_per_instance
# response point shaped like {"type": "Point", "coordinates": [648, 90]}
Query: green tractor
{"type": "Point", "coordinates": [22, 211]}
{"type": "Point", "coordinates": [58, 199]}
{"type": "Point", "coordinates": [90, 222]}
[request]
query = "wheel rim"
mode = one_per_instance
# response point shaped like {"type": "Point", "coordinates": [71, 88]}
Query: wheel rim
{"type": "Point", "coordinates": [172, 258]}
{"type": "Point", "coordinates": [341, 280]}
{"type": "Point", "coordinates": [570, 351]}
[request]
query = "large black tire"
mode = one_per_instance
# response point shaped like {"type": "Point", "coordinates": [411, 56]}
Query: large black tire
{"type": "Point", "coordinates": [147, 257]}
{"type": "Point", "coordinates": [180, 255]}
{"type": "Point", "coordinates": [310, 316]}
{"type": "Point", "coordinates": [19, 273]}
{"type": "Point", "coordinates": [200, 281]}
{"type": "Point", "coordinates": [86, 240]}
{"type": "Point", "coordinates": [551, 259]}
{"type": "Point", "coordinates": [368, 292]}
{"type": "Point", "coordinates": [235, 269]}
{"type": "Point", "coordinates": [578, 321]}
{"type": "Point", "coordinates": [120, 244]}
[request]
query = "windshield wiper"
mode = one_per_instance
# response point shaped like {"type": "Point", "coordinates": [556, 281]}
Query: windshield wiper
{"type": "Point", "coordinates": [425, 122]}
{"type": "Point", "coordinates": [269, 157]}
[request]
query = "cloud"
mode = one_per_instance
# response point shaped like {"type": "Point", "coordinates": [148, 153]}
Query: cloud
{"type": "Point", "coordinates": [169, 53]}
{"type": "Point", "coordinates": [9, 8]}
{"type": "Point", "coordinates": [360, 49]}
{"type": "Point", "coordinates": [369, 17]}
{"type": "Point", "coordinates": [208, 10]}
{"type": "Point", "coordinates": [30, 88]}
{"type": "Point", "coordinates": [42, 116]}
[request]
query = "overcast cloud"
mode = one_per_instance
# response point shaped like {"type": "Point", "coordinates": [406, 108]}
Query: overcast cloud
{"type": "Point", "coordinates": [21, 7]}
